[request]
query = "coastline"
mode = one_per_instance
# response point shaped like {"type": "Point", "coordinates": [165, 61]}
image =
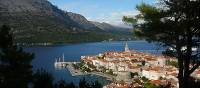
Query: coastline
{"type": "Point", "coordinates": [46, 55]}
{"type": "Point", "coordinates": [60, 44]}
{"type": "Point", "coordinates": [75, 72]}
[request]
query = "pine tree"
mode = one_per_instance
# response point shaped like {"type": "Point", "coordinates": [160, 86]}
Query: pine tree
{"type": "Point", "coordinates": [174, 24]}
{"type": "Point", "coordinates": [43, 79]}
{"type": "Point", "coordinates": [15, 64]}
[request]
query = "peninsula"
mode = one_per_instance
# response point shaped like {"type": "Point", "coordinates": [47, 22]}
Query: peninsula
{"type": "Point", "coordinates": [128, 68]}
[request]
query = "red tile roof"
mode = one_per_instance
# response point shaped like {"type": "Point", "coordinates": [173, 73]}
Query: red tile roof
{"type": "Point", "coordinates": [156, 82]}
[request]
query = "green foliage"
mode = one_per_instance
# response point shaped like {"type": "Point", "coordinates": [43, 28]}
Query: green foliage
{"type": "Point", "coordinates": [102, 69]}
{"type": "Point", "coordinates": [64, 37]}
{"type": "Point", "coordinates": [78, 65]}
{"type": "Point", "coordinates": [58, 37]}
{"type": "Point", "coordinates": [42, 29]}
{"type": "Point", "coordinates": [143, 63]}
{"type": "Point", "coordinates": [91, 66]}
{"type": "Point", "coordinates": [63, 84]}
{"type": "Point", "coordinates": [172, 63]}
{"type": "Point", "coordinates": [16, 69]}
{"type": "Point", "coordinates": [42, 79]}
{"type": "Point", "coordinates": [149, 85]}
{"type": "Point", "coordinates": [194, 83]}
{"type": "Point", "coordinates": [145, 79]}
{"type": "Point", "coordinates": [169, 52]}
{"type": "Point", "coordinates": [161, 78]}
{"type": "Point", "coordinates": [110, 72]}
{"type": "Point", "coordinates": [85, 69]}
{"type": "Point", "coordinates": [172, 24]}
{"type": "Point", "coordinates": [83, 83]}
{"type": "Point", "coordinates": [129, 20]}
{"type": "Point", "coordinates": [134, 74]}
{"type": "Point", "coordinates": [15, 64]}
{"type": "Point", "coordinates": [6, 38]}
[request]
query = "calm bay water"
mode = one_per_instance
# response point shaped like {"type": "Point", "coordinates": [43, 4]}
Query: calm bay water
{"type": "Point", "coordinates": [45, 56]}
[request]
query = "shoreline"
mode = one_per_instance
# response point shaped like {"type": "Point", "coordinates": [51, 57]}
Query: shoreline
{"type": "Point", "coordinates": [58, 44]}
{"type": "Point", "coordinates": [75, 72]}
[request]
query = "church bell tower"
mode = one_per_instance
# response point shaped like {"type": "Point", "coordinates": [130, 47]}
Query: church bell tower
{"type": "Point", "coordinates": [126, 49]}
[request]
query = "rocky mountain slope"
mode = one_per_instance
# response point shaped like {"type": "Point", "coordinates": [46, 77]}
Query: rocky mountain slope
{"type": "Point", "coordinates": [40, 21]}
{"type": "Point", "coordinates": [82, 21]}
{"type": "Point", "coordinates": [112, 29]}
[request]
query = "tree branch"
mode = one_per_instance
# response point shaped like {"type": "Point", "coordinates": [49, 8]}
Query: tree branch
{"type": "Point", "coordinates": [194, 68]}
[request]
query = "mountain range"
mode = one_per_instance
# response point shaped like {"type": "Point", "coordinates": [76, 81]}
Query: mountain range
{"type": "Point", "coordinates": [37, 21]}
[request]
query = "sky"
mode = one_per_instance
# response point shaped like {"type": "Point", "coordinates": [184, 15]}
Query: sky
{"type": "Point", "coordinates": [109, 11]}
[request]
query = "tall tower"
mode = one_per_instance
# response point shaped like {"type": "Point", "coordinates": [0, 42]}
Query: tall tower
{"type": "Point", "coordinates": [126, 49]}
{"type": "Point", "coordinates": [63, 58]}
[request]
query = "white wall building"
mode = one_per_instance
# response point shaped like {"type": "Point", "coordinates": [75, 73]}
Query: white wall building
{"type": "Point", "coordinates": [112, 66]}
{"type": "Point", "coordinates": [152, 75]}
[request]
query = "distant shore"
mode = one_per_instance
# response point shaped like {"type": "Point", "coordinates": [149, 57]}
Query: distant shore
{"type": "Point", "coordinates": [54, 44]}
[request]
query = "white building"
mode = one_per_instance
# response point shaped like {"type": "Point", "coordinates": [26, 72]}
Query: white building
{"type": "Point", "coordinates": [99, 63]}
{"type": "Point", "coordinates": [152, 75]}
{"type": "Point", "coordinates": [122, 67]}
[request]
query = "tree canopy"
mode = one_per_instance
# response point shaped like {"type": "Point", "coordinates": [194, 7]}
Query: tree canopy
{"type": "Point", "coordinates": [173, 24]}
{"type": "Point", "coordinates": [15, 64]}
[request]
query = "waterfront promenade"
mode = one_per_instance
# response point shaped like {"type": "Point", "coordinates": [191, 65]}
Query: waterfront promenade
{"type": "Point", "coordinates": [77, 72]}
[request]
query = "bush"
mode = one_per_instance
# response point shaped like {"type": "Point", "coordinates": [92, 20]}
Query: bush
{"type": "Point", "coordinates": [145, 79]}
{"type": "Point", "coordinates": [110, 71]}
{"type": "Point", "coordinates": [134, 74]}
{"type": "Point", "coordinates": [172, 63]}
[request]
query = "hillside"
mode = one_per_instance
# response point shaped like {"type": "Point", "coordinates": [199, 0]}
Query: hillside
{"type": "Point", "coordinates": [36, 21]}
{"type": "Point", "coordinates": [112, 29]}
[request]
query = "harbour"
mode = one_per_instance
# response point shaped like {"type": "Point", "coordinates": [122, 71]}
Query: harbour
{"type": "Point", "coordinates": [45, 56]}
{"type": "Point", "coordinates": [74, 72]}
{"type": "Point", "coordinates": [124, 67]}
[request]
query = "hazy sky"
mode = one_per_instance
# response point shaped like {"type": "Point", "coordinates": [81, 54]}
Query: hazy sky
{"type": "Point", "coordinates": [110, 11]}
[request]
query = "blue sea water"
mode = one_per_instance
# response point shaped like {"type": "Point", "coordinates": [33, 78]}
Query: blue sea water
{"type": "Point", "coordinates": [45, 55]}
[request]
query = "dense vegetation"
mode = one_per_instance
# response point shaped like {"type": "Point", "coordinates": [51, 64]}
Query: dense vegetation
{"type": "Point", "coordinates": [43, 79]}
{"type": "Point", "coordinates": [38, 21]}
{"type": "Point", "coordinates": [172, 63]}
{"type": "Point", "coordinates": [71, 37]}
{"type": "Point", "coordinates": [15, 64]}
{"type": "Point", "coordinates": [174, 24]}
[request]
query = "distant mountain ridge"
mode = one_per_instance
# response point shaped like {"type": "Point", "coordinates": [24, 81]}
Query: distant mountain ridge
{"type": "Point", "coordinates": [111, 28]}
{"type": "Point", "coordinates": [40, 21]}
{"type": "Point", "coordinates": [81, 20]}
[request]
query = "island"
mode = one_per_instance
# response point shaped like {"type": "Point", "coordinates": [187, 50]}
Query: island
{"type": "Point", "coordinates": [128, 69]}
